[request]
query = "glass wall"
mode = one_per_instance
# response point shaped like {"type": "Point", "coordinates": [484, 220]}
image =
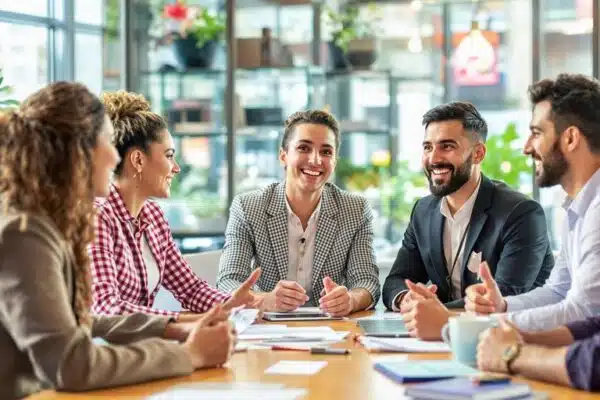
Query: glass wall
{"type": "Point", "coordinates": [566, 46]}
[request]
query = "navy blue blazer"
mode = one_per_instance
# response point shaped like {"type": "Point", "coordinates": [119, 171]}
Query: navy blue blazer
{"type": "Point", "coordinates": [507, 227]}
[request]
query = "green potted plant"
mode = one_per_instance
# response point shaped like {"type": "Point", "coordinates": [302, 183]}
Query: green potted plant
{"type": "Point", "coordinates": [353, 36]}
{"type": "Point", "coordinates": [195, 32]}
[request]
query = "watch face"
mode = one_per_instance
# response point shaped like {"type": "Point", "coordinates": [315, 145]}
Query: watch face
{"type": "Point", "coordinates": [510, 352]}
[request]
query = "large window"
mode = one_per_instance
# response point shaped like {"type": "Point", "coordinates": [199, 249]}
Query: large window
{"type": "Point", "coordinates": [41, 41]}
{"type": "Point", "coordinates": [24, 55]}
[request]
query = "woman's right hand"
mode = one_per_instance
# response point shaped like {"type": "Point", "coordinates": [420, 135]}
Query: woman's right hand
{"type": "Point", "coordinates": [212, 340]}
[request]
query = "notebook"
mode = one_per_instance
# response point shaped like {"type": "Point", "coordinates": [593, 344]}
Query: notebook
{"type": "Point", "coordinates": [465, 389]}
{"type": "Point", "coordinates": [423, 370]}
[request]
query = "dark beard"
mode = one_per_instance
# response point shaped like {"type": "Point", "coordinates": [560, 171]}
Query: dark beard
{"type": "Point", "coordinates": [554, 168]}
{"type": "Point", "coordinates": [458, 178]}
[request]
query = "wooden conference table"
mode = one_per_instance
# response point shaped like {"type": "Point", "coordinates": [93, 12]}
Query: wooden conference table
{"type": "Point", "coordinates": [346, 377]}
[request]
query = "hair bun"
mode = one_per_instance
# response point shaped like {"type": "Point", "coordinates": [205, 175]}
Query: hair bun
{"type": "Point", "coordinates": [122, 104]}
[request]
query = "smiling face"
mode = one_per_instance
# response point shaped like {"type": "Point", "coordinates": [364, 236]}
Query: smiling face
{"type": "Point", "coordinates": [448, 156]}
{"type": "Point", "coordinates": [543, 145]}
{"type": "Point", "coordinates": [309, 158]}
{"type": "Point", "coordinates": [159, 167]}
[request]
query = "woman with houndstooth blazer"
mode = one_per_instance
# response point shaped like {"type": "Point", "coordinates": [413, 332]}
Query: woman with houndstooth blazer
{"type": "Point", "coordinates": [312, 240]}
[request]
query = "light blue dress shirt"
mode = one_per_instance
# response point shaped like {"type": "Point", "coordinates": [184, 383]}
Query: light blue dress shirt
{"type": "Point", "coordinates": [572, 292]}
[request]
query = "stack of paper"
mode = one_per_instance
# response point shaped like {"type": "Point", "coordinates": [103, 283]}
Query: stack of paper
{"type": "Point", "coordinates": [404, 345]}
{"type": "Point", "coordinates": [261, 336]}
{"type": "Point", "coordinates": [230, 391]}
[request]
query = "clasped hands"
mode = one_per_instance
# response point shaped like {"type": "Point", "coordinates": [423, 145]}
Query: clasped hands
{"type": "Point", "coordinates": [335, 299]}
{"type": "Point", "coordinates": [425, 315]}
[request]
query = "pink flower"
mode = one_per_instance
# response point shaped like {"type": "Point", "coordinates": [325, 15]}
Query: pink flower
{"type": "Point", "coordinates": [177, 11]}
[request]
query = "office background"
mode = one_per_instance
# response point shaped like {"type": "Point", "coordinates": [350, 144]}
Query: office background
{"type": "Point", "coordinates": [256, 61]}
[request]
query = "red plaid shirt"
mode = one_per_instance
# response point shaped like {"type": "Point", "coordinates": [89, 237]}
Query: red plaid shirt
{"type": "Point", "coordinates": [119, 279]}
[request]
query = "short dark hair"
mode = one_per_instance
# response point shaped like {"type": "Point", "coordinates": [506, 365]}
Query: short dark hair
{"type": "Point", "coordinates": [462, 111]}
{"type": "Point", "coordinates": [575, 101]}
{"type": "Point", "coordinates": [318, 117]}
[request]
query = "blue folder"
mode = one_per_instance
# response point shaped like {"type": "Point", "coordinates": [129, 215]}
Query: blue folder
{"type": "Point", "coordinates": [423, 370]}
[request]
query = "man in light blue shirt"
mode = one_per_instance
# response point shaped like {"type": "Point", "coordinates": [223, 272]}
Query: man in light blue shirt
{"type": "Point", "coordinates": [565, 146]}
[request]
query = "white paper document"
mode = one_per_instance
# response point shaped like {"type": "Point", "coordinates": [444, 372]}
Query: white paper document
{"type": "Point", "coordinates": [404, 345]}
{"type": "Point", "coordinates": [382, 316]}
{"type": "Point", "coordinates": [230, 391]}
{"type": "Point", "coordinates": [262, 332]}
{"type": "Point", "coordinates": [296, 368]}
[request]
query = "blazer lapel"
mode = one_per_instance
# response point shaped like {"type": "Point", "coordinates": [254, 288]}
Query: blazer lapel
{"type": "Point", "coordinates": [437, 245]}
{"type": "Point", "coordinates": [277, 225]}
{"type": "Point", "coordinates": [326, 234]}
{"type": "Point", "coordinates": [478, 218]}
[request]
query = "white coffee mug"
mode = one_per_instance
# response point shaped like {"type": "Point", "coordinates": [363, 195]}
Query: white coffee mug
{"type": "Point", "coordinates": [462, 334]}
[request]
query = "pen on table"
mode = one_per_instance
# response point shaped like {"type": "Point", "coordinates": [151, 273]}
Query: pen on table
{"type": "Point", "coordinates": [389, 335]}
{"type": "Point", "coordinates": [323, 350]}
{"type": "Point", "coordinates": [291, 348]}
{"type": "Point", "coordinates": [313, 350]}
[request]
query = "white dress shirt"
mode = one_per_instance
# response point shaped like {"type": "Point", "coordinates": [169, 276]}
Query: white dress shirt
{"type": "Point", "coordinates": [301, 247]}
{"type": "Point", "coordinates": [455, 227]}
{"type": "Point", "coordinates": [152, 271]}
{"type": "Point", "coordinates": [572, 292]}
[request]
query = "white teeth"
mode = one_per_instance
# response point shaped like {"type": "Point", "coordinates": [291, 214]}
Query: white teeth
{"type": "Point", "coordinates": [311, 173]}
{"type": "Point", "coordinates": [440, 171]}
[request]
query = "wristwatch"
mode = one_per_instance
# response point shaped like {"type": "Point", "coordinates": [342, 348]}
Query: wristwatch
{"type": "Point", "coordinates": [510, 355]}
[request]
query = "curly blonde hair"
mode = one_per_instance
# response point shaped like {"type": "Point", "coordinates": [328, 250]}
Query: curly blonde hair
{"type": "Point", "coordinates": [135, 124]}
{"type": "Point", "coordinates": [46, 168]}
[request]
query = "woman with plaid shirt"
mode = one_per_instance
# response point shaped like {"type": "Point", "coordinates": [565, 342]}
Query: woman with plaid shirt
{"type": "Point", "coordinates": [134, 251]}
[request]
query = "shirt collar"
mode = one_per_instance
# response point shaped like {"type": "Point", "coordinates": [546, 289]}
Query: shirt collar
{"type": "Point", "coordinates": [123, 214]}
{"type": "Point", "coordinates": [577, 207]}
{"type": "Point", "coordinates": [466, 210]}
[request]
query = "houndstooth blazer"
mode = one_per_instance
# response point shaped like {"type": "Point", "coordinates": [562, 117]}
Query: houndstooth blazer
{"type": "Point", "coordinates": [258, 231]}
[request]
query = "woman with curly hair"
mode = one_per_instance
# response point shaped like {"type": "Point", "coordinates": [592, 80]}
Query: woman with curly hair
{"type": "Point", "coordinates": [55, 157]}
{"type": "Point", "coordinates": [134, 252]}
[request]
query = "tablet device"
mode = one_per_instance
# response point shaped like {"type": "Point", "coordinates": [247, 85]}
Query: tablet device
{"type": "Point", "coordinates": [297, 316]}
{"type": "Point", "coordinates": [390, 328]}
